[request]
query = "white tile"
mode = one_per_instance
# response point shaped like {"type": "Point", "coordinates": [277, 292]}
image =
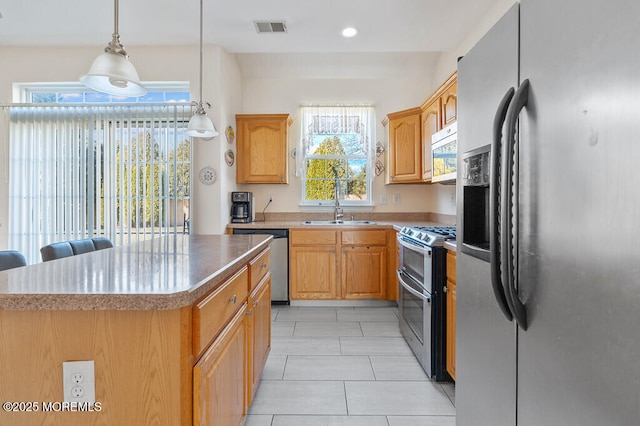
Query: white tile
{"type": "Point", "coordinates": [374, 346]}
{"type": "Point", "coordinates": [299, 397]}
{"type": "Point", "coordinates": [328, 368]}
{"type": "Point", "coordinates": [378, 314]}
{"type": "Point", "coordinates": [282, 328]}
{"type": "Point", "coordinates": [324, 328]}
{"type": "Point", "coordinates": [381, 329]}
{"type": "Point", "coordinates": [258, 420]}
{"type": "Point", "coordinates": [397, 398]}
{"type": "Point", "coordinates": [397, 367]}
{"type": "Point", "coordinates": [307, 314]}
{"type": "Point", "coordinates": [422, 420]}
{"type": "Point", "coordinates": [329, 421]}
{"type": "Point", "coordinates": [274, 367]}
{"type": "Point", "coordinates": [305, 345]}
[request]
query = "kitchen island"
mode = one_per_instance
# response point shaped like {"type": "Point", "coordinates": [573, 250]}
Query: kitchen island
{"type": "Point", "coordinates": [178, 329]}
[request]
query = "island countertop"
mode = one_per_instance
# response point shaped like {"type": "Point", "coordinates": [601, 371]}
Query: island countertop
{"type": "Point", "coordinates": [163, 273]}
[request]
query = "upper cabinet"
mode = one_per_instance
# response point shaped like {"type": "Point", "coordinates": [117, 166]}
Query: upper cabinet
{"type": "Point", "coordinates": [262, 148]}
{"type": "Point", "coordinates": [409, 153]}
{"type": "Point", "coordinates": [404, 146]}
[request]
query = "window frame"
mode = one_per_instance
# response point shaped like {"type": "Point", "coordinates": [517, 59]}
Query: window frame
{"type": "Point", "coordinates": [367, 156]}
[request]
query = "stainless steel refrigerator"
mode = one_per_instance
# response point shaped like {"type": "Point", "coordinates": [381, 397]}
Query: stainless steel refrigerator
{"type": "Point", "coordinates": [548, 265]}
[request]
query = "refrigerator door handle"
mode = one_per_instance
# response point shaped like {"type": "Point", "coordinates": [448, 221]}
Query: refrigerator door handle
{"type": "Point", "coordinates": [509, 193]}
{"type": "Point", "coordinates": [494, 213]}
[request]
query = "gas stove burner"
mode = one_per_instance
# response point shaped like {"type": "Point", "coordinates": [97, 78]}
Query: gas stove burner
{"type": "Point", "coordinates": [432, 236]}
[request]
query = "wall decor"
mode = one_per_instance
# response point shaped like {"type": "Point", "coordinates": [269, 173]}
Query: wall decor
{"type": "Point", "coordinates": [208, 175]}
{"type": "Point", "coordinates": [379, 149]}
{"type": "Point", "coordinates": [229, 158]}
{"type": "Point", "coordinates": [230, 133]}
{"type": "Point", "coordinates": [379, 167]}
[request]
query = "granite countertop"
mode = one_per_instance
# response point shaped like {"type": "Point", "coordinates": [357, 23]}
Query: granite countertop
{"type": "Point", "coordinates": [163, 273]}
{"type": "Point", "coordinates": [451, 246]}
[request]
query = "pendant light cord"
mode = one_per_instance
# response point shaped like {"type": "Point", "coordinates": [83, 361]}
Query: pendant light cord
{"type": "Point", "coordinates": [201, 8]}
{"type": "Point", "coordinates": [115, 17]}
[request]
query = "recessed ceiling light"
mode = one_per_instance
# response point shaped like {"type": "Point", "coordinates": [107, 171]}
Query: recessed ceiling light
{"type": "Point", "coordinates": [349, 32]}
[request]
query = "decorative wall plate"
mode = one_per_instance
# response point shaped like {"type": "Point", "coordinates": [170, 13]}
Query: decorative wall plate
{"type": "Point", "coordinates": [208, 175]}
{"type": "Point", "coordinates": [229, 157]}
{"type": "Point", "coordinates": [230, 133]}
{"type": "Point", "coordinates": [379, 149]}
{"type": "Point", "coordinates": [379, 167]}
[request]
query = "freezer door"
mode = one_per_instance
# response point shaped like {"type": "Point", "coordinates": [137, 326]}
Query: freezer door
{"type": "Point", "coordinates": [579, 360]}
{"type": "Point", "coordinates": [486, 339]}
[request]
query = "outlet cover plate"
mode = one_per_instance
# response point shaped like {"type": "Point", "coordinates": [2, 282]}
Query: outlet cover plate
{"type": "Point", "coordinates": [79, 381]}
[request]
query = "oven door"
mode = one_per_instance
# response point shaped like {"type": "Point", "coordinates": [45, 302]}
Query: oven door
{"type": "Point", "coordinates": [415, 261]}
{"type": "Point", "coordinates": [414, 303]}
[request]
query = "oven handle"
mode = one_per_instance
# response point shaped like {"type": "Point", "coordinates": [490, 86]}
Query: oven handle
{"type": "Point", "coordinates": [414, 247]}
{"type": "Point", "coordinates": [494, 207]}
{"type": "Point", "coordinates": [410, 289]}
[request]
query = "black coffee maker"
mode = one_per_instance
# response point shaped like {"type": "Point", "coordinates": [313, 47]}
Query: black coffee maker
{"type": "Point", "coordinates": [241, 207]}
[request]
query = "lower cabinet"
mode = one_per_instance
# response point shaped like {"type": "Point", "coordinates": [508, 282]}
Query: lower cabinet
{"type": "Point", "coordinates": [219, 377]}
{"type": "Point", "coordinates": [259, 334]}
{"type": "Point", "coordinates": [339, 264]}
{"type": "Point", "coordinates": [364, 272]}
{"type": "Point", "coordinates": [451, 314]}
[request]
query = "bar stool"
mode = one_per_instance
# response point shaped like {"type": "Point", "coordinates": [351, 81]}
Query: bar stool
{"type": "Point", "coordinates": [82, 246]}
{"type": "Point", "coordinates": [102, 243]}
{"type": "Point", "coordinates": [56, 251]}
{"type": "Point", "coordinates": [10, 259]}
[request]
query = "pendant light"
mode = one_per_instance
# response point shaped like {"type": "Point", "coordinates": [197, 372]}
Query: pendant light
{"type": "Point", "coordinates": [111, 72]}
{"type": "Point", "coordinates": [200, 126]}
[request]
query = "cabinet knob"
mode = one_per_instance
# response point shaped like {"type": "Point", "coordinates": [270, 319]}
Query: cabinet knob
{"type": "Point", "coordinates": [250, 312]}
{"type": "Point", "coordinates": [255, 303]}
{"type": "Point", "coordinates": [233, 299]}
{"type": "Point", "coordinates": [264, 265]}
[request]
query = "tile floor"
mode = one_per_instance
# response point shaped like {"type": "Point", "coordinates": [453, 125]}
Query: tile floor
{"type": "Point", "coordinates": [345, 366]}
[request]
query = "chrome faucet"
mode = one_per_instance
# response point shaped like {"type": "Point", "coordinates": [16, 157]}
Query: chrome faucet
{"type": "Point", "coordinates": [338, 212]}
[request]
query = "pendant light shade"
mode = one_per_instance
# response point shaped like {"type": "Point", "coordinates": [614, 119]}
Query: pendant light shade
{"type": "Point", "coordinates": [111, 72]}
{"type": "Point", "coordinates": [201, 126]}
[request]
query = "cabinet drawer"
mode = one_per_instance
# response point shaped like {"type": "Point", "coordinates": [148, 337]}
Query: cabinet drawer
{"type": "Point", "coordinates": [451, 266]}
{"type": "Point", "coordinates": [312, 237]}
{"type": "Point", "coordinates": [259, 267]}
{"type": "Point", "coordinates": [212, 312]}
{"type": "Point", "coordinates": [377, 237]}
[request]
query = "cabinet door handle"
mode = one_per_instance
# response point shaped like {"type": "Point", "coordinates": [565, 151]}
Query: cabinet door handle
{"type": "Point", "coordinates": [250, 312]}
{"type": "Point", "coordinates": [255, 303]}
{"type": "Point", "coordinates": [264, 265]}
{"type": "Point", "coordinates": [233, 299]}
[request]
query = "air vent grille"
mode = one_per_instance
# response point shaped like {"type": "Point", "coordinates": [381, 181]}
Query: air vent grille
{"type": "Point", "coordinates": [264, 27]}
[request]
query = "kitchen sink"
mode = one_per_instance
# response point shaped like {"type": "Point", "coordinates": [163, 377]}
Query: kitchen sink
{"type": "Point", "coordinates": [338, 222]}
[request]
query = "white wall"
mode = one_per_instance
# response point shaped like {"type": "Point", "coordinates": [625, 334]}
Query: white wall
{"type": "Point", "coordinates": [221, 87]}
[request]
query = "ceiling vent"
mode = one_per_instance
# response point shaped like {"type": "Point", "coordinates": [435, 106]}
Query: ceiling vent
{"type": "Point", "coordinates": [265, 27]}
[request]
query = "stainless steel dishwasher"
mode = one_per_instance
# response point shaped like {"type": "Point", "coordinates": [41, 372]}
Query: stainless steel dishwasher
{"type": "Point", "coordinates": [279, 262]}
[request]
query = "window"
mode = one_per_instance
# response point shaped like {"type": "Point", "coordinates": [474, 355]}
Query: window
{"type": "Point", "coordinates": [79, 171]}
{"type": "Point", "coordinates": [337, 155]}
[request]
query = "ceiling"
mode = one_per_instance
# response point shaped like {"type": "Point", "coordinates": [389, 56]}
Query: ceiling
{"type": "Point", "coordinates": [312, 25]}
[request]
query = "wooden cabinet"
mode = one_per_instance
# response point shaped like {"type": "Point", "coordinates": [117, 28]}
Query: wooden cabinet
{"type": "Point", "coordinates": [317, 272]}
{"type": "Point", "coordinates": [410, 131]}
{"type": "Point", "coordinates": [364, 264]}
{"type": "Point", "coordinates": [451, 314]}
{"type": "Point", "coordinates": [262, 148]}
{"type": "Point", "coordinates": [431, 123]}
{"type": "Point", "coordinates": [404, 146]}
{"type": "Point", "coordinates": [219, 377]}
{"type": "Point", "coordinates": [259, 333]}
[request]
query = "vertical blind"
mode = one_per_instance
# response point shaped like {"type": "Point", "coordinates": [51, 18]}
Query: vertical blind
{"type": "Point", "coordinates": [118, 171]}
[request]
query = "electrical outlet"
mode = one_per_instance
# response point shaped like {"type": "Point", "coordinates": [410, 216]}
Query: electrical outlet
{"type": "Point", "coordinates": [78, 379]}
{"type": "Point", "coordinates": [383, 199]}
{"type": "Point", "coordinates": [396, 198]}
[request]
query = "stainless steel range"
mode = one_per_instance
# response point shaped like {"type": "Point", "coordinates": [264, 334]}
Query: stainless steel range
{"type": "Point", "coordinates": [421, 297]}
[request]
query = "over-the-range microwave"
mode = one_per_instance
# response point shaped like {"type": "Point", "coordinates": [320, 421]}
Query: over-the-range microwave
{"type": "Point", "coordinates": [444, 151]}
